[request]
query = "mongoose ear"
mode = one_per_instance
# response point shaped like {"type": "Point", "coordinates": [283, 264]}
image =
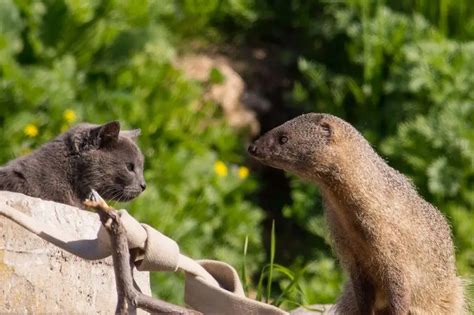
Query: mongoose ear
{"type": "Point", "coordinates": [324, 125]}
{"type": "Point", "coordinates": [105, 134]}
{"type": "Point", "coordinates": [326, 129]}
{"type": "Point", "coordinates": [132, 134]}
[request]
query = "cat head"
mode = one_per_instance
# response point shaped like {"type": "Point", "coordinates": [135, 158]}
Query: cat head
{"type": "Point", "coordinates": [107, 160]}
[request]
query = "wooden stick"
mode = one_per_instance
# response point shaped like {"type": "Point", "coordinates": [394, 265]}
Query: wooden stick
{"type": "Point", "coordinates": [129, 298]}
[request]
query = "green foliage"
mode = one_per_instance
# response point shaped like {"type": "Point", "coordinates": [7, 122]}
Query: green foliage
{"type": "Point", "coordinates": [67, 61]}
{"type": "Point", "coordinates": [299, 284]}
{"type": "Point", "coordinates": [438, 142]}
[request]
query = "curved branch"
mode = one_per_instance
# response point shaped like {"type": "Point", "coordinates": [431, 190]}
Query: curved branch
{"type": "Point", "coordinates": [129, 298]}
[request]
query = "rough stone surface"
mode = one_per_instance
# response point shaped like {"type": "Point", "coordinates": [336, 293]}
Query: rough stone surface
{"type": "Point", "coordinates": [38, 277]}
{"type": "Point", "coordinates": [228, 94]}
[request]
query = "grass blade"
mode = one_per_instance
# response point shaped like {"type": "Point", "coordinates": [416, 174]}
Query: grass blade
{"type": "Point", "coordinates": [272, 259]}
{"type": "Point", "coordinates": [244, 266]}
{"type": "Point", "coordinates": [260, 283]}
{"type": "Point", "coordinates": [294, 283]}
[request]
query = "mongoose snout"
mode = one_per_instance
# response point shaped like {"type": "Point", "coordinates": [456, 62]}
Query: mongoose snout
{"type": "Point", "coordinates": [252, 149]}
{"type": "Point", "coordinates": [265, 150]}
{"type": "Point", "coordinates": [262, 148]}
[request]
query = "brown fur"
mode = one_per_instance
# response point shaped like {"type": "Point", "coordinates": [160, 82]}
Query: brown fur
{"type": "Point", "coordinates": [396, 247]}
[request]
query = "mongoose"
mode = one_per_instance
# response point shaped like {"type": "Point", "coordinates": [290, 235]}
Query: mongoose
{"type": "Point", "coordinates": [395, 246]}
{"type": "Point", "coordinates": [86, 157]}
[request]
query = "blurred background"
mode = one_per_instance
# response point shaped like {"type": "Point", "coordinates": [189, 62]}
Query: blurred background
{"type": "Point", "coordinates": [204, 78]}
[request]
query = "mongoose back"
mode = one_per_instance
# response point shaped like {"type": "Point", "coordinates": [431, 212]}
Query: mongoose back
{"type": "Point", "coordinates": [87, 156]}
{"type": "Point", "coordinates": [395, 246]}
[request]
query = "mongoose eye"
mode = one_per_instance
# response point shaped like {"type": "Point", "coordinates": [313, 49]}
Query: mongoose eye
{"type": "Point", "coordinates": [131, 167]}
{"type": "Point", "coordinates": [283, 139]}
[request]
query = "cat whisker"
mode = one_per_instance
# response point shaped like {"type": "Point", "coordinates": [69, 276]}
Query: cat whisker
{"type": "Point", "coordinates": [117, 195]}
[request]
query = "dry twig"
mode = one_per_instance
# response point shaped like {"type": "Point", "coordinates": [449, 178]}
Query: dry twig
{"type": "Point", "coordinates": [129, 298]}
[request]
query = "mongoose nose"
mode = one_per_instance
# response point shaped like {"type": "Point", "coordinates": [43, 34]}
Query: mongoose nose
{"type": "Point", "coordinates": [143, 186]}
{"type": "Point", "coordinates": [252, 149]}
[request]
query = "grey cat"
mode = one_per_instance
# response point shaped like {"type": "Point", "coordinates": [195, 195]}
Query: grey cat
{"type": "Point", "coordinates": [86, 156]}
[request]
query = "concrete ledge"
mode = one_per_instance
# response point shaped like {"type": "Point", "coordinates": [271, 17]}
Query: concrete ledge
{"type": "Point", "coordinates": [38, 277]}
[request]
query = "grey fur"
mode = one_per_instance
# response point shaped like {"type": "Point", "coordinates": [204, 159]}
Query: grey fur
{"type": "Point", "coordinates": [85, 157]}
{"type": "Point", "coordinates": [396, 247]}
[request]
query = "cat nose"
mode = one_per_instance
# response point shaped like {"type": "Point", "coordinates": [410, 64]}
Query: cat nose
{"type": "Point", "coordinates": [143, 186]}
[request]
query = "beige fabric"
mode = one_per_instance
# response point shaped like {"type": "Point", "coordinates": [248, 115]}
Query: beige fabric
{"type": "Point", "coordinates": [211, 287]}
{"type": "Point", "coordinates": [225, 274]}
{"type": "Point", "coordinates": [136, 235]}
{"type": "Point", "coordinates": [316, 309]}
{"type": "Point", "coordinates": [191, 267]}
{"type": "Point", "coordinates": [161, 252]}
{"type": "Point", "coordinates": [229, 298]}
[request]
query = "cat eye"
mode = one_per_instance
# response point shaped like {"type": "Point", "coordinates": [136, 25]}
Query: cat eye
{"type": "Point", "coordinates": [131, 167]}
{"type": "Point", "coordinates": [283, 139]}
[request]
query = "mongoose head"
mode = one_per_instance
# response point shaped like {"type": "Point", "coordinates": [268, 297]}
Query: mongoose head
{"type": "Point", "coordinates": [308, 145]}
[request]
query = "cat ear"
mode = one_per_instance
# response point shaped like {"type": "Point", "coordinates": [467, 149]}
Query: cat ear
{"type": "Point", "coordinates": [106, 133]}
{"type": "Point", "coordinates": [132, 134]}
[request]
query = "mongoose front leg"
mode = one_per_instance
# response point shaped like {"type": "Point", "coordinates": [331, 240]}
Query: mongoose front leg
{"type": "Point", "coordinates": [364, 292]}
{"type": "Point", "coordinates": [398, 293]}
{"type": "Point", "coordinates": [399, 300]}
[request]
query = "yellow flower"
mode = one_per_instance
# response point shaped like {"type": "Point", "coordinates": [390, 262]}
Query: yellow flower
{"type": "Point", "coordinates": [69, 115]}
{"type": "Point", "coordinates": [220, 168]}
{"type": "Point", "coordinates": [243, 172]}
{"type": "Point", "coordinates": [31, 130]}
